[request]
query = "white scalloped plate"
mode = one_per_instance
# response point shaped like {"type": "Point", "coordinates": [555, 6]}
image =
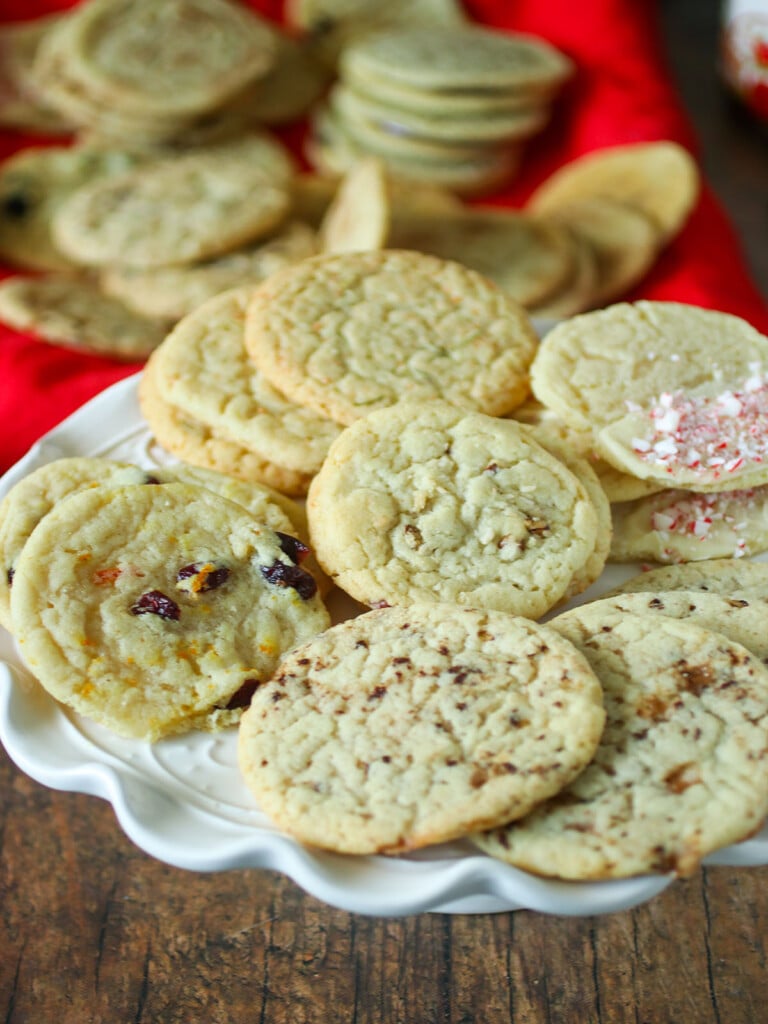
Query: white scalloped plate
{"type": "Point", "coordinates": [182, 800]}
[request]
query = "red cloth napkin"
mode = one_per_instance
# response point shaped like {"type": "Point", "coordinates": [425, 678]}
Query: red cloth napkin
{"type": "Point", "coordinates": [622, 92]}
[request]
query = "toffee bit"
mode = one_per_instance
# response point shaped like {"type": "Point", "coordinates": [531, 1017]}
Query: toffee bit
{"type": "Point", "coordinates": [9, 576]}
{"type": "Point", "coordinates": [283, 575]}
{"type": "Point", "coordinates": [200, 577]}
{"type": "Point", "coordinates": [155, 602]}
{"type": "Point", "coordinates": [295, 549]}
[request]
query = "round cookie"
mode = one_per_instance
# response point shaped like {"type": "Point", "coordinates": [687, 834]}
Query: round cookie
{"type": "Point", "coordinates": [682, 526]}
{"type": "Point", "coordinates": [36, 494]}
{"type": "Point", "coordinates": [657, 383]}
{"type": "Point", "coordinates": [21, 107]}
{"type": "Point", "coordinates": [661, 179]}
{"type": "Point", "coordinates": [681, 769]}
{"type": "Point", "coordinates": [412, 726]}
{"type": "Point", "coordinates": [429, 502]}
{"type": "Point", "coordinates": [724, 576]}
{"type": "Point", "coordinates": [34, 183]}
{"type": "Point", "coordinates": [202, 367]}
{"type": "Point", "coordinates": [459, 58]}
{"type": "Point", "coordinates": [73, 312]}
{"type": "Point", "coordinates": [348, 333]}
{"type": "Point", "coordinates": [174, 291]}
{"type": "Point", "coordinates": [198, 444]}
{"type": "Point", "coordinates": [180, 57]}
{"type": "Point", "coordinates": [163, 610]}
{"type": "Point", "coordinates": [180, 209]}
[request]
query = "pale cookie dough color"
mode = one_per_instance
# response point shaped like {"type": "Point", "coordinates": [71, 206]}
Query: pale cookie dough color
{"type": "Point", "coordinates": [681, 769]}
{"type": "Point", "coordinates": [718, 576]}
{"type": "Point", "coordinates": [412, 726]}
{"type": "Point", "coordinates": [431, 503]}
{"type": "Point", "coordinates": [161, 611]}
{"type": "Point", "coordinates": [672, 393]}
{"type": "Point", "coordinates": [348, 333]}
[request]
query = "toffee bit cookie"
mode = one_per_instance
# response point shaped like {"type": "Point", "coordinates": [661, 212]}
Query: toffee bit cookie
{"type": "Point", "coordinates": [172, 292]}
{"type": "Point", "coordinates": [669, 391]}
{"type": "Point", "coordinates": [348, 333]}
{"type": "Point", "coordinates": [682, 526]}
{"type": "Point", "coordinates": [184, 208]}
{"type": "Point", "coordinates": [161, 611]}
{"type": "Point", "coordinates": [203, 368]}
{"type": "Point", "coordinates": [194, 442]}
{"type": "Point", "coordinates": [34, 183]}
{"type": "Point", "coordinates": [73, 312]}
{"type": "Point", "coordinates": [682, 766]}
{"type": "Point", "coordinates": [180, 57]}
{"type": "Point", "coordinates": [407, 727]}
{"type": "Point", "coordinates": [660, 179]}
{"type": "Point", "coordinates": [719, 576]}
{"type": "Point", "coordinates": [740, 616]}
{"type": "Point", "coordinates": [35, 495]}
{"type": "Point", "coordinates": [429, 502]}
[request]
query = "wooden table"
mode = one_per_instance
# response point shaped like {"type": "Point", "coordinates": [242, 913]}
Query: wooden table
{"type": "Point", "coordinates": [93, 930]}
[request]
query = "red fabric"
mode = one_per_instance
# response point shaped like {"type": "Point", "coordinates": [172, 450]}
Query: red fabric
{"type": "Point", "coordinates": [622, 92]}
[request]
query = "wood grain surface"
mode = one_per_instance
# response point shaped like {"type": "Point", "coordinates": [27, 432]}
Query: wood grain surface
{"type": "Point", "coordinates": [93, 931]}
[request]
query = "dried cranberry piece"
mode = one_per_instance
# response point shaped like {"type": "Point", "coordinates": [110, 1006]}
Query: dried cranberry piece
{"type": "Point", "coordinates": [205, 576]}
{"type": "Point", "coordinates": [155, 602]}
{"type": "Point", "coordinates": [242, 698]}
{"type": "Point", "coordinates": [283, 575]}
{"type": "Point", "coordinates": [292, 547]}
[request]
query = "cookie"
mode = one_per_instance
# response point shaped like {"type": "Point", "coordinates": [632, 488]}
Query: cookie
{"type": "Point", "coordinates": [527, 259]}
{"type": "Point", "coordinates": [166, 607]}
{"type": "Point", "coordinates": [35, 495]}
{"type": "Point", "coordinates": [574, 294]}
{"type": "Point", "coordinates": [348, 333]}
{"type": "Point", "coordinates": [172, 292]}
{"type": "Point", "coordinates": [407, 727]}
{"type": "Point", "coordinates": [184, 208]}
{"type": "Point", "coordinates": [681, 769]}
{"type": "Point", "coordinates": [660, 179]}
{"type": "Point", "coordinates": [21, 106]}
{"type": "Point", "coordinates": [724, 576]}
{"type": "Point", "coordinates": [671, 393]}
{"type": "Point", "coordinates": [202, 366]}
{"type": "Point", "coordinates": [73, 312]}
{"type": "Point", "coordinates": [463, 57]}
{"type": "Point", "coordinates": [682, 526]}
{"type": "Point", "coordinates": [427, 502]}
{"type": "Point", "coordinates": [358, 216]}
{"type": "Point", "coordinates": [196, 443]}
{"type": "Point", "coordinates": [180, 58]}
{"type": "Point", "coordinates": [34, 183]}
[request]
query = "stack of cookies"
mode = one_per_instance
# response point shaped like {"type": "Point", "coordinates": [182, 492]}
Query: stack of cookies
{"type": "Point", "coordinates": [451, 104]}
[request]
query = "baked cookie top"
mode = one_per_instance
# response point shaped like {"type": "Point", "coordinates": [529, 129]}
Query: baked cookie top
{"type": "Point", "coordinates": [718, 575]}
{"type": "Point", "coordinates": [165, 607]}
{"type": "Point", "coordinates": [681, 768]}
{"type": "Point", "coordinates": [411, 726]}
{"type": "Point", "coordinates": [348, 333]}
{"type": "Point", "coordinates": [203, 368]}
{"type": "Point", "coordinates": [429, 502]}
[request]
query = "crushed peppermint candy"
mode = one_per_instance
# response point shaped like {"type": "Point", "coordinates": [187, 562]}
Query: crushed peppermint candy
{"type": "Point", "coordinates": [694, 515]}
{"type": "Point", "coordinates": [712, 435]}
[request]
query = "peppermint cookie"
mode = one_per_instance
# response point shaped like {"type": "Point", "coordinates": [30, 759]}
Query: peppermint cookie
{"type": "Point", "coordinates": [681, 769]}
{"type": "Point", "coordinates": [162, 612]}
{"type": "Point", "coordinates": [429, 502]}
{"type": "Point", "coordinates": [348, 333]}
{"type": "Point", "coordinates": [672, 393]}
{"type": "Point", "coordinates": [683, 526]}
{"type": "Point", "coordinates": [203, 368]}
{"type": "Point", "coordinates": [73, 312]}
{"type": "Point", "coordinates": [412, 726]}
{"type": "Point", "coordinates": [179, 209]}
